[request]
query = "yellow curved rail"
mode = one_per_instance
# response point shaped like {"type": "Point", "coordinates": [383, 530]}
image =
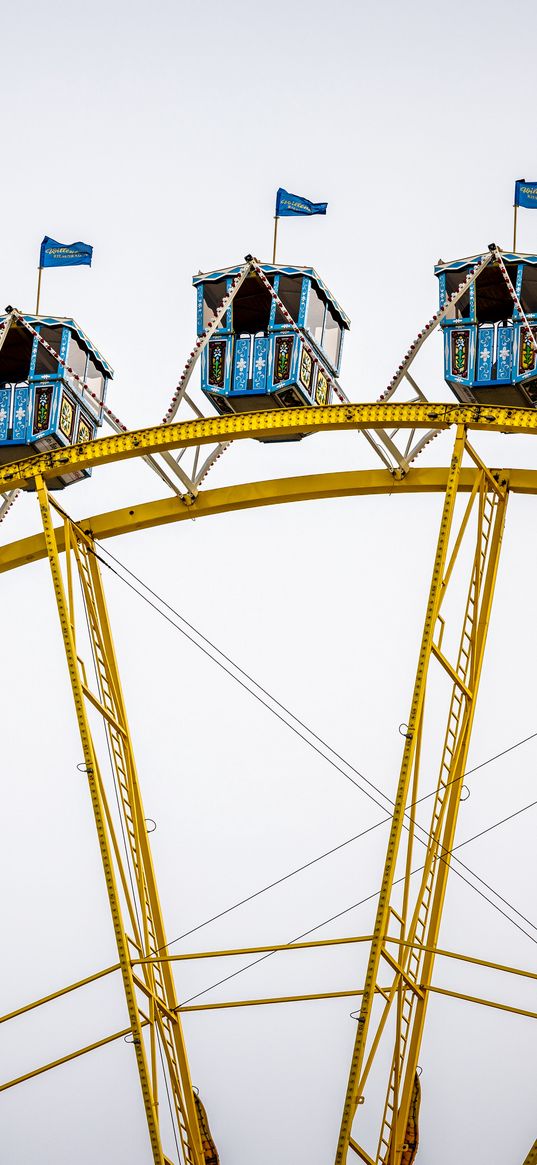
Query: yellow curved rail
{"type": "Point", "coordinates": [262, 425]}
{"type": "Point", "coordinates": [277, 491]}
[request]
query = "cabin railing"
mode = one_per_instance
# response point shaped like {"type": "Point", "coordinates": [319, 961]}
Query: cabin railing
{"type": "Point", "coordinates": [489, 353]}
{"type": "Point", "coordinates": [263, 364]}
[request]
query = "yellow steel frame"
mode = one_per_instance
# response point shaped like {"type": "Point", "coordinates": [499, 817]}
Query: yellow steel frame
{"type": "Point", "coordinates": [150, 998]}
{"type": "Point", "coordinates": [263, 426]}
{"type": "Point", "coordinates": [412, 968]}
{"type": "Point", "coordinates": [145, 967]}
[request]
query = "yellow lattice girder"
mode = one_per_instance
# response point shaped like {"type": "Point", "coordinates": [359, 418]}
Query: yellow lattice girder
{"type": "Point", "coordinates": [263, 425]}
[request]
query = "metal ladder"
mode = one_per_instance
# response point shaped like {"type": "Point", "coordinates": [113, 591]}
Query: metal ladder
{"type": "Point", "coordinates": [116, 730]}
{"type": "Point", "coordinates": [418, 930]}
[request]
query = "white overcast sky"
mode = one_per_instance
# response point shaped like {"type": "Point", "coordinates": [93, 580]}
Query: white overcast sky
{"type": "Point", "coordinates": [159, 133]}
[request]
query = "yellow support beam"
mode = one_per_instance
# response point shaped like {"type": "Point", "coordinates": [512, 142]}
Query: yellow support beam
{"type": "Point", "coordinates": [262, 425]}
{"type": "Point", "coordinates": [429, 905]}
{"type": "Point", "coordinates": [143, 902]}
{"type": "Point", "coordinates": [227, 1004]}
{"type": "Point", "coordinates": [531, 1158]}
{"type": "Point", "coordinates": [461, 996]}
{"type": "Point", "coordinates": [419, 931]}
{"type": "Point", "coordinates": [273, 948]}
{"type": "Point", "coordinates": [526, 1013]}
{"type": "Point", "coordinates": [278, 491]}
{"type": "Point", "coordinates": [62, 991]}
{"type": "Point", "coordinates": [77, 543]}
{"type": "Point", "coordinates": [126, 1031]}
{"type": "Point", "coordinates": [95, 788]}
{"type": "Point", "coordinates": [353, 1093]}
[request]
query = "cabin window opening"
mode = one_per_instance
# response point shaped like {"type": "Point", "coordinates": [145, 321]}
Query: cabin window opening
{"type": "Point", "coordinates": [315, 316]}
{"type": "Point", "coordinates": [15, 356]}
{"type": "Point", "coordinates": [45, 364]}
{"type": "Point", "coordinates": [77, 356]}
{"type": "Point", "coordinates": [331, 336]}
{"type": "Point", "coordinates": [463, 306]}
{"type": "Point", "coordinates": [251, 307]}
{"type": "Point", "coordinates": [95, 379]}
{"type": "Point", "coordinates": [213, 294]}
{"type": "Point", "coordinates": [461, 309]}
{"type": "Point", "coordinates": [493, 299]}
{"type": "Point", "coordinates": [528, 296]}
{"type": "Point", "coordinates": [289, 291]}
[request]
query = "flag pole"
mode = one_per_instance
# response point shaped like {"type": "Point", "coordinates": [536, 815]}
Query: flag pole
{"type": "Point", "coordinates": [275, 237]}
{"type": "Point", "coordinates": [514, 225]}
{"type": "Point", "coordinates": [40, 269]}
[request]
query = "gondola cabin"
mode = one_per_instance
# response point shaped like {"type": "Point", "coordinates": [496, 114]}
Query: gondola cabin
{"type": "Point", "coordinates": [42, 404]}
{"type": "Point", "coordinates": [256, 360]}
{"type": "Point", "coordinates": [489, 357]}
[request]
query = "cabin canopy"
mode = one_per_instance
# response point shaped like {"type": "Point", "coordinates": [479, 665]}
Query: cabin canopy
{"type": "Point", "coordinates": [49, 399]}
{"type": "Point", "coordinates": [490, 345]}
{"type": "Point", "coordinates": [491, 294]}
{"type": "Point", "coordinates": [308, 300]}
{"type": "Point", "coordinates": [256, 359]}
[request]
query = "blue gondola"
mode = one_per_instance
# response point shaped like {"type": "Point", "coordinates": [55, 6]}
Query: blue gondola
{"type": "Point", "coordinates": [255, 360]}
{"type": "Point", "coordinates": [42, 406]}
{"type": "Point", "coordinates": [489, 357]}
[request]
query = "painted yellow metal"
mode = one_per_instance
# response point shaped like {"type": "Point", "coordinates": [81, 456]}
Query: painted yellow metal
{"type": "Point", "coordinates": [496, 1006]}
{"type": "Point", "coordinates": [354, 1087]}
{"type": "Point", "coordinates": [224, 1005]}
{"type": "Point", "coordinates": [357, 483]}
{"type": "Point", "coordinates": [58, 994]}
{"type": "Point", "coordinates": [232, 1003]}
{"type": "Point", "coordinates": [313, 944]}
{"type": "Point", "coordinates": [505, 968]}
{"type": "Point", "coordinates": [160, 978]}
{"type": "Point", "coordinates": [109, 701]}
{"type": "Point", "coordinates": [531, 1158]}
{"type": "Point", "coordinates": [126, 1031]}
{"type": "Point", "coordinates": [412, 967]}
{"type": "Point", "coordinates": [361, 1153]}
{"type": "Point", "coordinates": [491, 520]}
{"type": "Point", "coordinates": [281, 423]}
{"type": "Point", "coordinates": [419, 934]}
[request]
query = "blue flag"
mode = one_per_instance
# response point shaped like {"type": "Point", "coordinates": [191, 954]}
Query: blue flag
{"type": "Point", "coordinates": [292, 205]}
{"type": "Point", "coordinates": [526, 193]}
{"type": "Point", "coordinates": [55, 254]}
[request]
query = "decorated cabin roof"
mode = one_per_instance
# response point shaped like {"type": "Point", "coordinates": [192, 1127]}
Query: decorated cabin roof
{"type": "Point", "coordinates": [61, 321]}
{"type": "Point", "coordinates": [271, 269]}
{"type": "Point", "coordinates": [461, 264]}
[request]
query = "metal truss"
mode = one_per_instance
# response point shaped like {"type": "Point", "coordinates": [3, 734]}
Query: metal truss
{"type": "Point", "coordinates": [251, 495]}
{"type": "Point", "coordinates": [182, 480]}
{"type": "Point", "coordinates": [429, 417]}
{"type": "Point", "coordinates": [385, 442]}
{"type": "Point", "coordinates": [418, 915]}
{"type": "Point", "coordinates": [8, 499]}
{"type": "Point", "coordinates": [405, 940]}
{"type": "Point", "coordinates": [148, 983]}
{"type": "Point", "coordinates": [183, 471]}
{"type": "Point", "coordinates": [186, 478]}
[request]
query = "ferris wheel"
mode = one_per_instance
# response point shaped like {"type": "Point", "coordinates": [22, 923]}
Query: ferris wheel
{"type": "Point", "coordinates": [269, 343]}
